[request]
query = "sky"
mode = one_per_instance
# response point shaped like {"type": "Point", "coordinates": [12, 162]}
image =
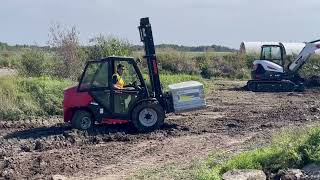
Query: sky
{"type": "Point", "coordinates": [183, 22]}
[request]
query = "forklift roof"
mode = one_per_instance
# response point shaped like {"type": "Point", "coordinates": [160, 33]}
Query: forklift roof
{"type": "Point", "coordinates": [109, 58]}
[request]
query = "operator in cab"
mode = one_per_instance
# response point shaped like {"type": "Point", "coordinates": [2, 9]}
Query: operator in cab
{"type": "Point", "coordinates": [121, 101]}
{"type": "Point", "coordinates": [117, 80]}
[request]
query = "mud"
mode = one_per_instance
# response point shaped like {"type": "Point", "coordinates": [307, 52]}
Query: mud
{"type": "Point", "coordinates": [235, 120]}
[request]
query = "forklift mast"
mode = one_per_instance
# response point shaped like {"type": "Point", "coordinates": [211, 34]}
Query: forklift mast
{"type": "Point", "coordinates": [150, 55]}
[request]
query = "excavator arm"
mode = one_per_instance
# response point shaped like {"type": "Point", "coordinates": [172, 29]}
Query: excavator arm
{"type": "Point", "coordinates": [304, 55]}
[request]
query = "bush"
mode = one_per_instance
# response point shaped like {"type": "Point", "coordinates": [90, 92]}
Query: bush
{"type": "Point", "coordinates": [9, 60]}
{"type": "Point", "coordinates": [34, 63]}
{"type": "Point", "coordinates": [177, 62]}
{"type": "Point", "coordinates": [310, 150]}
{"type": "Point", "coordinates": [227, 66]}
{"type": "Point", "coordinates": [312, 67]}
{"type": "Point", "coordinates": [103, 46]}
{"type": "Point", "coordinates": [4, 62]}
{"type": "Point", "coordinates": [205, 66]}
{"type": "Point", "coordinates": [208, 65]}
{"type": "Point", "coordinates": [248, 59]}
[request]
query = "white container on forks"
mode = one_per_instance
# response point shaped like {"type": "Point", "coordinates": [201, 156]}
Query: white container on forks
{"type": "Point", "coordinates": [187, 96]}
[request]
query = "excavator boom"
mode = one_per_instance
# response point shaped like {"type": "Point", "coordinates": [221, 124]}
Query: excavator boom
{"type": "Point", "coordinates": [304, 55]}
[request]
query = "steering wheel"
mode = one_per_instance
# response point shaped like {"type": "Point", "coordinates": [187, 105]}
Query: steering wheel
{"type": "Point", "coordinates": [135, 85]}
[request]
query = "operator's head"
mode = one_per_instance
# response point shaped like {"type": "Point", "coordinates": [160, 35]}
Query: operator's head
{"type": "Point", "coordinates": [120, 69]}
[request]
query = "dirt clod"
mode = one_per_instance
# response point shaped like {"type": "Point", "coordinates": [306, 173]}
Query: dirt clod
{"type": "Point", "coordinates": [58, 177]}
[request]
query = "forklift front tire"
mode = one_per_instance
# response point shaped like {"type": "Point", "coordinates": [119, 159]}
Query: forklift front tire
{"type": "Point", "coordinates": [148, 116]}
{"type": "Point", "coordinates": [82, 120]}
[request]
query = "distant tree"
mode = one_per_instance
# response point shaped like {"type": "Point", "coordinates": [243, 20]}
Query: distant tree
{"type": "Point", "coordinates": [103, 46]}
{"type": "Point", "coordinates": [66, 43]}
{"type": "Point", "coordinates": [3, 46]}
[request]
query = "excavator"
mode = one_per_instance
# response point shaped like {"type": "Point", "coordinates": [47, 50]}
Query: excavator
{"type": "Point", "coordinates": [272, 74]}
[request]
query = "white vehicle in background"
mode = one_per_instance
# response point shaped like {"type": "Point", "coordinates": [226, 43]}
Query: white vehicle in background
{"type": "Point", "coordinates": [269, 74]}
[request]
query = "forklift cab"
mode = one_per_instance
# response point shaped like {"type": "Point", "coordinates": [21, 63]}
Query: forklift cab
{"type": "Point", "coordinates": [273, 53]}
{"type": "Point", "coordinates": [97, 80]}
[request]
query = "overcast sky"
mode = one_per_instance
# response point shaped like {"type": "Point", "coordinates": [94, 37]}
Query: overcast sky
{"type": "Point", "coordinates": [184, 22]}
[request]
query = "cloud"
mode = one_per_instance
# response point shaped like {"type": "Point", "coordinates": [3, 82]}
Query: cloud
{"type": "Point", "coordinates": [190, 22]}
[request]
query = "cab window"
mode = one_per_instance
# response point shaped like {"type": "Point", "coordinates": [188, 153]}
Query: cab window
{"type": "Point", "coordinates": [129, 75]}
{"type": "Point", "coordinates": [95, 76]}
{"type": "Point", "coordinates": [272, 53]}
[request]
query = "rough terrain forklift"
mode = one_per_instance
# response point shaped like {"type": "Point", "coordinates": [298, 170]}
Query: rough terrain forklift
{"type": "Point", "coordinates": [271, 74]}
{"type": "Point", "coordinates": [95, 101]}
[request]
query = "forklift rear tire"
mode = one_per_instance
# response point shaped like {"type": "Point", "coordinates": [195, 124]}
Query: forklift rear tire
{"type": "Point", "coordinates": [82, 120]}
{"type": "Point", "coordinates": [148, 116]}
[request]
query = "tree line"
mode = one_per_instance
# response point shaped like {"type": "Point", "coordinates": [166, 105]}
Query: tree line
{"type": "Point", "coordinates": [212, 48]}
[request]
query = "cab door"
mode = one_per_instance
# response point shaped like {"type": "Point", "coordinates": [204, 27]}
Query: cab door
{"type": "Point", "coordinates": [96, 81]}
{"type": "Point", "coordinates": [124, 99]}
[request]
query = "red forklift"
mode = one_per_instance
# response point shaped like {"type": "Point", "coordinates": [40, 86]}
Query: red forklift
{"type": "Point", "coordinates": [95, 101]}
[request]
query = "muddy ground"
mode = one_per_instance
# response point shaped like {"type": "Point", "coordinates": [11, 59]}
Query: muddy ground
{"type": "Point", "coordinates": [234, 121]}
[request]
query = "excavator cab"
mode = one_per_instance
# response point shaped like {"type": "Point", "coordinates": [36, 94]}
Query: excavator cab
{"type": "Point", "coordinates": [273, 53]}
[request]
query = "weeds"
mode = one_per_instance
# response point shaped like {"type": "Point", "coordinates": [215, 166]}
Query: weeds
{"type": "Point", "coordinates": [292, 149]}
{"type": "Point", "coordinates": [25, 97]}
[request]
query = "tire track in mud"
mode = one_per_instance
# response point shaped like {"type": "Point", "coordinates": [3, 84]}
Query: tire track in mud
{"type": "Point", "coordinates": [40, 148]}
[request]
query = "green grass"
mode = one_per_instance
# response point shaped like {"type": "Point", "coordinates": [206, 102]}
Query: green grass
{"type": "Point", "coordinates": [167, 79]}
{"type": "Point", "coordinates": [25, 97]}
{"type": "Point", "coordinates": [292, 149]}
{"type": "Point", "coordinates": [169, 171]}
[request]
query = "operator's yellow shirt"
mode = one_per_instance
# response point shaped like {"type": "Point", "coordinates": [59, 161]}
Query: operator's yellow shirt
{"type": "Point", "coordinates": [117, 79]}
